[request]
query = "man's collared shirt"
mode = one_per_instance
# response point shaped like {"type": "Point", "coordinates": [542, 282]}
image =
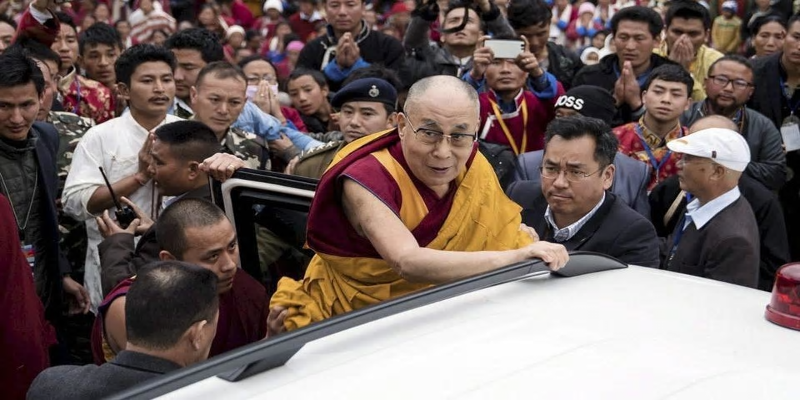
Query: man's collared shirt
{"type": "Point", "coordinates": [114, 146]}
{"type": "Point", "coordinates": [701, 214]}
{"type": "Point", "coordinates": [566, 233]}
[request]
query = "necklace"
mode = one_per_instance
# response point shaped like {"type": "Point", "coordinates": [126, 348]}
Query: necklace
{"type": "Point", "coordinates": [21, 227]}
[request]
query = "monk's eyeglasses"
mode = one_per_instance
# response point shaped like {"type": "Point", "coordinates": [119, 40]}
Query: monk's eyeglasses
{"type": "Point", "coordinates": [433, 137]}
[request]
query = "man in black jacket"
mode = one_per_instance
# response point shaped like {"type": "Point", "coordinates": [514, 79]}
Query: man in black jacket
{"type": "Point", "coordinates": [636, 30]}
{"type": "Point", "coordinates": [454, 56]}
{"type": "Point", "coordinates": [185, 331]}
{"type": "Point", "coordinates": [576, 209]}
{"type": "Point", "coordinates": [668, 204]}
{"type": "Point", "coordinates": [28, 178]}
{"type": "Point", "coordinates": [531, 18]}
{"type": "Point", "coordinates": [777, 78]}
{"type": "Point", "coordinates": [729, 85]}
{"type": "Point", "coordinates": [717, 236]}
{"type": "Point", "coordinates": [350, 44]}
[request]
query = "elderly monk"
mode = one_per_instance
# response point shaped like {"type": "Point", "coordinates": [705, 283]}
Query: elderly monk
{"type": "Point", "coordinates": [400, 210]}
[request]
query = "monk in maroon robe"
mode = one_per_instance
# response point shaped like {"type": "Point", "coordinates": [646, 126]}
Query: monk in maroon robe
{"type": "Point", "coordinates": [25, 336]}
{"type": "Point", "coordinates": [195, 231]}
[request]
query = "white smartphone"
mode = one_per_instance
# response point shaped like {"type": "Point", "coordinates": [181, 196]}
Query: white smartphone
{"type": "Point", "coordinates": [505, 48]}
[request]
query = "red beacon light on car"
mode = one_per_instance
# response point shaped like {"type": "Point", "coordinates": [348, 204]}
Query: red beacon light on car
{"type": "Point", "coordinates": [784, 308]}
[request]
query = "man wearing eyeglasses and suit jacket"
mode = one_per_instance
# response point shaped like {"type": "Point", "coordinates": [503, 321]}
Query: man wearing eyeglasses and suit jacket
{"type": "Point", "coordinates": [573, 205]}
{"type": "Point", "coordinates": [632, 176]}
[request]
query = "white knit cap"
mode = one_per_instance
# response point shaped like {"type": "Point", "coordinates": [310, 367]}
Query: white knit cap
{"type": "Point", "coordinates": [276, 4]}
{"type": "Point", "coordinates": [234, 29]}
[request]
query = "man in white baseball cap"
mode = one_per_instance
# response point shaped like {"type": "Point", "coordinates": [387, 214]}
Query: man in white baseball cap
{"type": "Point", "coordinates": [717, 237]}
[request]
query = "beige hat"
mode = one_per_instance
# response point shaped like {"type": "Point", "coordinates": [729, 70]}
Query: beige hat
{"type": "Point", "coordinates": [276, 4]}
{"type": "Point", "coordinates": [723, 146]}
{"type": "Point", "coordinates": [234, 29]}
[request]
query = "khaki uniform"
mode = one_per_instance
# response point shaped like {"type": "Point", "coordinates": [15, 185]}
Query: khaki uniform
{"type": "Point", "coordinates": [71, 129]}
{"type": "Point", "coordinates": [314, 162]}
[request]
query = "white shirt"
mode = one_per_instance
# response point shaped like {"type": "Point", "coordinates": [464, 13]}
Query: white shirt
{"type": "Point", "coordinates": [566, 233]}
{"type": "Point", "coordinates": [700, 215]}
{"type": "Point", "coordinates": [113, 145]}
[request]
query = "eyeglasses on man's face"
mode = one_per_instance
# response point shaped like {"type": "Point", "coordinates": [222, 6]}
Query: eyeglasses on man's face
{"type": "Point", "coordinates": [571, 174]}
{"type": "Point", "coordinates": [433, 137]}
{"type": "Point", "coordinates": [722, 81]}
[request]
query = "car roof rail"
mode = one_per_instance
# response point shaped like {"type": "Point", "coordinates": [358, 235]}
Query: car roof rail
{"type": "Point", "coordinates": [261, 356]}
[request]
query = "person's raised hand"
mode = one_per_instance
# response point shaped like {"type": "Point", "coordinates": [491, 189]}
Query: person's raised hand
{"type": "Point", "coordinates": [344, 50]}
{"type": "Point", "coordinates": [485, 5]}
{"type": "Point", "coordinates": [633, 92]}
{"type": "Point", "coordinates": [553, 254]}
{"type": "Point", "coordinates": [682, 51]}
{"type": "Point", "coordinates": [221, 166]}
{"type": "Point", "coordinates": [145, 159]}
{"type": "Point", "coordinates": [482, 57]}
{"type": "Point", "coordinates": [527, 60]}
{"type": "Point", "coordinates": [109, 227]}
{"type": "Point", "coordinates": [43, 5]}
{"type": "Point", "coordinates": [275, 321]}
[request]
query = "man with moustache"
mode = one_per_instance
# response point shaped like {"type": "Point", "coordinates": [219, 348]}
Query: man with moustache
{"type": "Point", "coordinates": [729, 86]}
{"type": "Point", "coordinates": [121, 147]}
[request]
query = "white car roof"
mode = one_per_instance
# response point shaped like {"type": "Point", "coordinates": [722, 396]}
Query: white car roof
{"type": "Point", "coordinates": [633, 333]}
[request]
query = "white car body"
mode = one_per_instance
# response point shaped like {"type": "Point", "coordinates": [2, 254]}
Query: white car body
{"type": "Point", "coordinates": [635, 333]}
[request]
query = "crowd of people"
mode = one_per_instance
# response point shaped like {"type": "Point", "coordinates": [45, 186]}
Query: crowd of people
{"type": "Point", "coordinates": [662, 133]}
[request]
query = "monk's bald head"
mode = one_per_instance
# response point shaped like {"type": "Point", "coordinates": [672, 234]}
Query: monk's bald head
{"type": "Point", "coordinates": [455, 89]}
{"type": "Point", "coordinates": [713, 121]}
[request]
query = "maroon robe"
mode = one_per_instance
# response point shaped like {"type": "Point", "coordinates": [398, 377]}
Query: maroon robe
{"type": "Point", "coordinates": [329, 230]}
{"type": "Point", "coordinates": [25, 336]}
{"type": "Point", "coordinates": [243, 312]}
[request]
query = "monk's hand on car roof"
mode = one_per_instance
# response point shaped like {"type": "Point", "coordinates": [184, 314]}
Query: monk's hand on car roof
{"type": "Point", "coordinates": [275, 321]}
{"type": "Point", "coordinates": [553, 254]}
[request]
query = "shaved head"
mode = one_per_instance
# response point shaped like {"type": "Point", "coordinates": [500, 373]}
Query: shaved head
{"type": "Point", "coordinates": [455, 87]}
{"type": "Point", "coordinates": [713, 121]}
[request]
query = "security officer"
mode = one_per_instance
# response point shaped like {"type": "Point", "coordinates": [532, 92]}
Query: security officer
{"type": "Point", "coordinates": [365, 106]}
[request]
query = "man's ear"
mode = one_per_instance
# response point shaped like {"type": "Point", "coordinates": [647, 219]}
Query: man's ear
{"type": "Point", "coordinates": [194, 170]}
{"type": "Point", "coordinates": [123, 91]}
{"type": "Point", "coordinates": [195, 334]}
{"type": "Point", "coordinates": [401, 124]}
{"type": "Point", "coordinates": [164, 255]}
{"type": "Point", "coordinates": [391, 120]}
{"type": "Point", "coordinates": [193, 95]}
{"type": "Point", "coordinates": [79, 61]}
{"type": "Point", "coordinates": [608, 176]}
